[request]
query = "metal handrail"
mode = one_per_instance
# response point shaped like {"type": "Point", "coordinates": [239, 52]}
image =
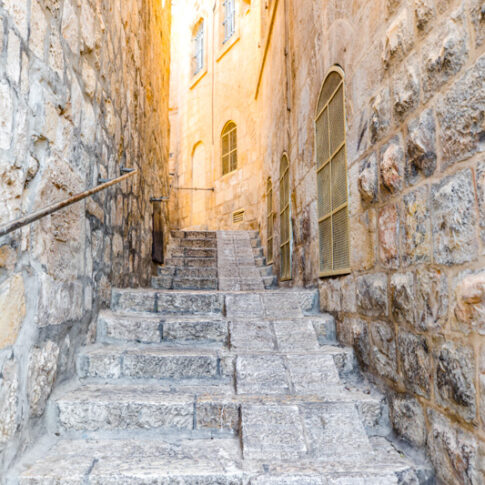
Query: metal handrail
{"type": "Point", "coordinates": [35, 216]}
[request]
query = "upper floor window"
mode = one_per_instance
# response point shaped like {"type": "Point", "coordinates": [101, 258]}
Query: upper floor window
{"type": "Point", "coordinates": [198, 48]}
{"type": "Point", "coordinates": [229, 19]}
{"type": "Point", "coordinates": [333, 218]}
{"type": "Point", "coordinates": [229, 148]}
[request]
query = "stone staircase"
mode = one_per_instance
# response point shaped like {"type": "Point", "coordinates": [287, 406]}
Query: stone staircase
{"type": "Point", "coordinates": [192, 261]}
{"type": "Point", "coordinates": [217, 387]}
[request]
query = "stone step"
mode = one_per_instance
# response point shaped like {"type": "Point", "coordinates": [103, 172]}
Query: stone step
{"type": "Point", "coordinates": [195, 243]}
{"type": "Point", "coordinates": [194, 283]}
{"type": "Point", "coordinates": [269, 281]}
{"type": "Point", "coordinates": [192, 262]}
{"type": "Point", "coordinates": [162, 282]}
{"type": "Point", "coordinates": [167, 302]}
{"type": "Point", "coordinates": [119, 327]}
{"type": "Point", "coordinates": [194, 234]}
{"type": "Point", "coordinates": [258, 252]}
{"type": "Point", "coordinates": [137, 462]}
{"type": "Point", "coordinates": [188, 272]}
{"type": "Point", "coordinates": [266, 270]}
{"type": "Point", "coordinates": [178, 252]}
{"type": "Point", "coordinates": [116, 408]}
{"type": "Point", "coordinates": [260, 261]}
{"type": "Point", "coordinates": [148, 362]}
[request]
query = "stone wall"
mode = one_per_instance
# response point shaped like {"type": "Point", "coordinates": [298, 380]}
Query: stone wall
{"type": "Point", "coordinates": [83, 91]}
{"type": "Point", "coordinates": [413, 306]}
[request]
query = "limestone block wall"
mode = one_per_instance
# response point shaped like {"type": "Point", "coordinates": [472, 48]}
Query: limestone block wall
{"type": "Point", "coordinates": [83, 91]}
{"type": "Point", "coordinates": [413, 306]}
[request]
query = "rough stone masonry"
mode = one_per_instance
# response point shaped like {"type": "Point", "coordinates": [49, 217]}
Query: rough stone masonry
{"type": "Point", "coordinates": [83, 92]}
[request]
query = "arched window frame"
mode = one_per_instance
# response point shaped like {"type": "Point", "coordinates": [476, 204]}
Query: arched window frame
{"type": "Point", "coordinates": [332, 187]}
{"type": "Point", "coordinates": [269, 221]}
{"type": "Point", "coordinates": [198, 47]}
{"type": "Point", "coordinates": [285, 219]}
{"type": "Point", "coordinates": [229, 148]}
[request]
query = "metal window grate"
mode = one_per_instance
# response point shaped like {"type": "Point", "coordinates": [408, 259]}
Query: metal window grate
{"type": "Point", "coordinates": [238, 216]}
{"type": "Point", "coordinates": [270, 216]}
{"type": "Point", "coordinates": [229, 148]}
{"type": "Point", "coordinates": [285, 220]}
{"type": "Point", "coordinates": [333, 218]}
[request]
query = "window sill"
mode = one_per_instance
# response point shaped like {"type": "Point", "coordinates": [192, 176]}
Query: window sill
{"type": "Point", "coordinates": [227, 46]}
{"type": "Point", "coordinates": [195, 79]}
{"type": "Point", "coordinates": [340, 272]}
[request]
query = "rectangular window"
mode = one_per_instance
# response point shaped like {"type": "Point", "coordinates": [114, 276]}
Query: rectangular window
{"type": "Point", "coordinates": [229, 19]}
{"type": "Point", "coordinates": [198, 49]}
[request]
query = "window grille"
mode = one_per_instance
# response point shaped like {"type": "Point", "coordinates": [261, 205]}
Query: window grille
{"type": "Point", "coordinates": [333, 219]}
{"type": "Point", "coordinates": [198, 40]}
{"type": "Point", "coordinates": [269, 226]}
{"type": "Point", "coordinates": [285, 220]}
{"type": "Point", "coordinates": [229, 19]}
{"type": "Point", "coordinates": [229, 148]}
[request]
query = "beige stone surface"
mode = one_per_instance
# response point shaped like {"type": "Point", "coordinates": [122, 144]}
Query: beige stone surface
{"type": "Point", "coordinates": [12, 305]}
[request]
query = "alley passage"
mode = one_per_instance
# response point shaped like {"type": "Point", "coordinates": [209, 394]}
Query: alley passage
{"type": "Point", "coordinates": [217, 380]}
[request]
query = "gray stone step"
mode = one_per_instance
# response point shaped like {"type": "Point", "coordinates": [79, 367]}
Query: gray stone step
{"type": "Point", "coordinates": [180, 252]}
{"type": "Point", "coordinates": [162, 282]}
{"type": "Point", "coordinates": [137, 462]}
{"type": "Point", "coordinates": [167, 302]}
{"type": "Point", "coordinates": [125, 328]}
{"type": "Point", "coordinates": [147, 362]}
{"type": "Point", "coordinates": [266, 270]}
{"type": "Point", "coordinates": [269, 281]}
{"type": "Point", "coordinates": [258, 252]}
{"type": "Point", "coordinates": [260, 261]}
{"type": "Point", "coordinates": [117, 408]}
{"type": "Point", "coordinates": [194, 283]}
{"type": "Point", "coordinates": [188, 272]}
{"type": "Point", "coordinates": [196, 243]}
{"type": "Point", "coordinates": [180, 262]}
{"type": "Point", "coordinates": [194, 234]}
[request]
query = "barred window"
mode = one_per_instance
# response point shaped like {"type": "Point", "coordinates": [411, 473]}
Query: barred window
{"type": "Point", "coordinates": [229, 148]}
{"type": "Point", "coordinates": [198, 49]}
{"type": "Point", "coordinates": [333, 218]}
{"type": "Point", "coordinates": [285, 220]}
{"type": "Point", "coordinates": [269, 226]}
{"type": "Point", "coordinates": [229, 19]}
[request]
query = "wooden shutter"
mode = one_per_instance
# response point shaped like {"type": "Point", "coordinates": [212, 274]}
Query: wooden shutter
{"type": "Point", "coordinates": [333, 218]}
{"type": "Point", "coordinates": [269, 224]}
{"type": "Point", "coordinates": [285, 221]}
{"type": "Point", "coordinates": [229, 148]}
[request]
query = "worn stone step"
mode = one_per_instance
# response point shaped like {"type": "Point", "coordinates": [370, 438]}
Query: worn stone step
{"type": "Point", "coordinates": [162, 282]}
{"type": "Point", "coordinates": [147, 362]}
{"type": "Point", "coordinates": [194, 283]}
{"type": "Point", "coordinates": [119, 327]}
{"type": "Point", "coordinates": [192, 262]}
{"type": "Point", "coordinates": [258, 252]}
{"type": "Point", "coordinates": [260, 261]}
{"type": "Point", "coordinates": [266, 270]}
{"type": "Point", "coordinates": [180, 252]}
{"type": "Point", "coordinates": [137, 462]}
{"type": "Point", "coordinates": [188, 272]}
{"type": "Point", "coordinates": [269, 281]}
{"type": "Point", "coordinates": [194, 234]}
{"type": "Point", "coordinates": [167, 302]}
{"type": "Point", "coordinates": [203, 243]}
{"type": "Point", "coordinates": [117, 408]}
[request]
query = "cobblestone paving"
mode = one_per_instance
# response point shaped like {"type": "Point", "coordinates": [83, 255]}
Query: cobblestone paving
{"type": "Point", "coordinates": [239, 385]}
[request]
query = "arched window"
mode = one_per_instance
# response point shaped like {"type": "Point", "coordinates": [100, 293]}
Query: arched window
{"type": "Point", "coordinates": [229, 19]}
{"type": "Point", "coordinates": [285, 224]}
{"type": "Point", "coordinates": [269, 226]}
{"type": "Point", "coordinates": [198, 48]}
{"type": "Point", "coordinates": [229, 148]}
{"type": "Point", "coordinates": [333, 219]}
